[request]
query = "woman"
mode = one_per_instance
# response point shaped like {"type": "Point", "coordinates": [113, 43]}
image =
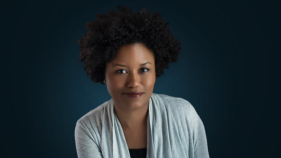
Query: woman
{"type": "Point", "coordinates": [127, 51]}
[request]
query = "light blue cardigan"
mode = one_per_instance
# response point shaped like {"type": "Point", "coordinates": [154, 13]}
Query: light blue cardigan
{"type": "Point", "coordinates": [175, 130]}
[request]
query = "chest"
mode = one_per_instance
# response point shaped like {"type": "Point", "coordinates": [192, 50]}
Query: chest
{"type": "Point", "coordinates": [136, 139]}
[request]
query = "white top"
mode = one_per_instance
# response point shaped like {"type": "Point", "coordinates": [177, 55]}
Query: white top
{"type": "Point", "coordinates": [174, 130]}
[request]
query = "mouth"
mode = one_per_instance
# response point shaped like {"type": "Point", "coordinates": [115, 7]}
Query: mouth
{"type": "Point", "coordinates": [133, 95]}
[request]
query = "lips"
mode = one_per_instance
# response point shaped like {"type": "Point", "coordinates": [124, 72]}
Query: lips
{"type": "Point", "coordinates": [133, 94]}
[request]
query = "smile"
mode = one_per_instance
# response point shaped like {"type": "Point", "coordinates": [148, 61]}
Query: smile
{"type": "Point", "coordinates": [134, 95]}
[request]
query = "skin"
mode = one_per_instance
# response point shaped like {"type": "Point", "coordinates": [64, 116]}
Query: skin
{"type": "Point", "coordinates": [131, 112]}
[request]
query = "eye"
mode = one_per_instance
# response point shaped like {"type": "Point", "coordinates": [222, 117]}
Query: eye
{"type": "Point", "coordinates": [120, 70]}
{"type": "Point", "coordinates": [146, 69]}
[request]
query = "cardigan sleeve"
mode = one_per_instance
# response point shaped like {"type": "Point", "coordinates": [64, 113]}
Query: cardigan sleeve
{"type": "Point", "coordinates": [200, 139]}
{"type": "Point", "coordinates": [86, 146]}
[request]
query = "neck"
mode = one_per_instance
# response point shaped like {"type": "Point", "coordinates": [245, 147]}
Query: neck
{"type": "Point", "coordinates": [132, 120]}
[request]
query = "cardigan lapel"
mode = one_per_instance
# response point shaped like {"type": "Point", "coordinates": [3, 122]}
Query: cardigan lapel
{"type": "Point", "coordinates": [154, 144]}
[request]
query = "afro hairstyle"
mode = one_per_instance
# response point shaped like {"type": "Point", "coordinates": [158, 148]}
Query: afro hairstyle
{"type": "Point", "coordinates": [112, 30]}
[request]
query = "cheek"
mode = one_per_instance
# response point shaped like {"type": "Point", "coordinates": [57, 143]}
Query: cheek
{"type": "Point", "coordinates": [115, 86]}
{"type": "Point", "coordinates": [150, 81]}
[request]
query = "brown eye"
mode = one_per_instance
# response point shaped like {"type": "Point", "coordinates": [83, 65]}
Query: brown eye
{"type": "Point", "coordinates": [146, 69]}
{"type": "Point", "coordinates": [120, 70]}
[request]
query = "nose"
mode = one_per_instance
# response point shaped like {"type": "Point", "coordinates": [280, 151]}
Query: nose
{"type": "Point", "coordinates": [133, 79]}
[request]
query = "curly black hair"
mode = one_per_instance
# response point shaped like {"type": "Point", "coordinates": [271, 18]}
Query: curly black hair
{"type": "Point", "coordinates": [112, 30]}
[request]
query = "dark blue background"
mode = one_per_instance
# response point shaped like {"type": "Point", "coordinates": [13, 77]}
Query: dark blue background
{"type": "Point", "coordinates": [228, 69]}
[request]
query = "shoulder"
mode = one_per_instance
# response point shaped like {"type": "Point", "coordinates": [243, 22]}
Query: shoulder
{"type": "Point", "coordinates": [93, 118]}
{"type": "Point", "coordinates": [178, 106]}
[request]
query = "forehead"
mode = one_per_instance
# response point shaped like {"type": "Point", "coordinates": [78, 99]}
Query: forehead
{"type": "Point", "coordinates": [134, 53]}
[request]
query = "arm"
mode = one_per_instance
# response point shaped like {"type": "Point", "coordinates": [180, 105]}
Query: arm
{"type": "Point", "coordinates": [86, 146]}
{"type": "Point", "coordinates": [200, 139]}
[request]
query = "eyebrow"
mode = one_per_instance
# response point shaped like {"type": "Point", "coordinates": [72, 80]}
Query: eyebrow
{"type": "Point", "coordinates": [126, 66]}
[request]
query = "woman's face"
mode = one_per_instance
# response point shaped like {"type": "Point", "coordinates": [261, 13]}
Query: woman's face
{"type": "Point", "coordinates": [132, 70]}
